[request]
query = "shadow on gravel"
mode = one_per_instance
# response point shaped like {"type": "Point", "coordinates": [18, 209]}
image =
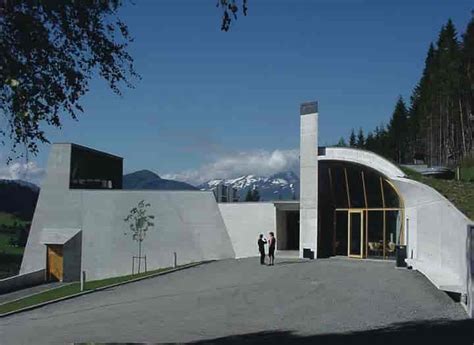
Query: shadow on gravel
{"type": "Point", "coordinates": [420, 332]}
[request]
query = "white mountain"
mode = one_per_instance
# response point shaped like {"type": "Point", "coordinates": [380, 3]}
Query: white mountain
{"type": "Point", "coordinates": [281, 186]}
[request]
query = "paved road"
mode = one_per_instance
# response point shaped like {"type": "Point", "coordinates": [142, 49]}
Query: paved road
{"type": "Point", "coordinates": [239, 300]}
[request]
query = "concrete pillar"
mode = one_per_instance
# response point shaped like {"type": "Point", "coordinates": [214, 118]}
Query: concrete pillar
{"type": "Point", "coordinates": [309, 180]}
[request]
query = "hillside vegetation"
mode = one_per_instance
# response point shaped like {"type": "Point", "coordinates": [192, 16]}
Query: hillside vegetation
{"type": "Point", "coordinates": [460, 193]}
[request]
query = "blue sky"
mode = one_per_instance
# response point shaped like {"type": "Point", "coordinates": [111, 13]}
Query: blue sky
{"type": "Point", "coordinates": [215, 104]}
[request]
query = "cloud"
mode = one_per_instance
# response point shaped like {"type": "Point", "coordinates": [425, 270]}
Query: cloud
{"type": "Point", "coordinates": [259, 162]}
{"type": "Point", "coordinates": [29, 171]}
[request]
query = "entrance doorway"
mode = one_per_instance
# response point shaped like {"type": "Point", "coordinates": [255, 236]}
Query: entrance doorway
{"type": "Point", "coordinates": [355, 232]}
{"type": "Point", "coordinates": [287, 225]}
{"type": "Point", "coordinates": [55, 262]}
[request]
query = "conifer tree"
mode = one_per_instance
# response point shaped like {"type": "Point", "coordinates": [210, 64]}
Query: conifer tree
{"type": "Point", "coordinates": [360, 139]}
{"type": "Point", "coordinates": [352, 139]}
{"type": "Point", "coordinates": [398, 132]}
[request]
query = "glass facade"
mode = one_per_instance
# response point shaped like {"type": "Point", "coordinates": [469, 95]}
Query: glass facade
{"type": "Point", "coordinates": [359, 212]}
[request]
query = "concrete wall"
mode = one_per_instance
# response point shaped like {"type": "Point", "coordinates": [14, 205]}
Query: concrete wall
{"type": "Point", "coordinates": [72, 253]}
{"type": "Point", "coordinates": [309, 181]}
{"type": "Point", "coordinates": [22, 281]}
{"type": "Point", "coordinates": [470, 272]}
{"type": "Point", "coordinates": [363, 157]}
{"type": "Point", "coordinates": [244, 222]}
{"type": "Point", "coordinates": [436, 235]}
{"type": "Point", "coordinates": [187, 222]}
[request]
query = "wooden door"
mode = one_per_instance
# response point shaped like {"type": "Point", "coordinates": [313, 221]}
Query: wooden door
{"type": "Point", "coordinates": [55, 262]}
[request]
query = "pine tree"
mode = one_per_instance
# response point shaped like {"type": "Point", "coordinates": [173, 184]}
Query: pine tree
{"type": "Point", "coordinates": [369, 142]}
{"type": "Point", "coordinates": [341, 143]}
{"type": "Point", "coordinates": [360, 139]}
{"type": "Point", "coordinates": [352, 139]}
{"type": "Point", "coordinates": [398, 132]}
{"type": "Point", "coordinates": [249, 196]}
{"type": "Point", "coordinates": [255, 195]}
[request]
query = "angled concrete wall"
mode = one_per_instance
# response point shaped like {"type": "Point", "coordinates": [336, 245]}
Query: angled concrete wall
{"type": "Point", "coordinates": [245, 221]}
{"type": "Point", "coordinates": [436, 235]}
{"type": "Point", "coordinates": [187, 222]}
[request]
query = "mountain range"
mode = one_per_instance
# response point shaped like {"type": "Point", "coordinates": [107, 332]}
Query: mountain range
{"type": "Point", "coordinates": [146, 179]}
{"type": "Point", "coordinates": [280, 186]}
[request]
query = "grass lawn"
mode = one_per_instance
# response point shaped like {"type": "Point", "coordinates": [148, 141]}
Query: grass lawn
{"type": "Point", "coordinates": [72, 289]}
{"type": "Point", "coordinates": [460, 193]}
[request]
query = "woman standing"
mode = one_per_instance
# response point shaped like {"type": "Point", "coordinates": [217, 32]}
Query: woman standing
{"type": "Point", "coordinates": [271, 248]}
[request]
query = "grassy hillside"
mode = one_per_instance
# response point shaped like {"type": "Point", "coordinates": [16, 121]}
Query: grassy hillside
{"type": "Point", "coordinates": [460, 193]}
{"type": "Point", "coordinates": [10, 253]}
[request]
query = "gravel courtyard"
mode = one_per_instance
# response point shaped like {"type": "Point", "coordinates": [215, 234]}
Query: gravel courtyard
{"type": "Point", "coordinates": [228, 301]}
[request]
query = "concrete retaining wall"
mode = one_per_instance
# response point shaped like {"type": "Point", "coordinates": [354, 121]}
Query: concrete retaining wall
{"type": "Point", "coordinates": [436, 235]}
{"type": "Point", "coordinates": [22, 281]}
{"type": "Point", "coordinates": [244, 222]}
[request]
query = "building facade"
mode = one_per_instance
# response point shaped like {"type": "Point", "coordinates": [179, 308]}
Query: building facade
{"type": "Point", "coordinates": [352, 203]}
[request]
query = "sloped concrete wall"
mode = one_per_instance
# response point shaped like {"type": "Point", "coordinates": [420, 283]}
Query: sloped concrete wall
{"type": "Point", "coordinates": [186, 222]}
{"type": "Point", "coordinates": [245, 221]}
{"type": "Point", "coordinates": [56, 206]}
{"type": "Point", "coordinates": [436, 235]}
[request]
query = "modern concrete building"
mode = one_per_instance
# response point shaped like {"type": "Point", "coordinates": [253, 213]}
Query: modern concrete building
{"type": "Point", "coordinates": [353, 203]}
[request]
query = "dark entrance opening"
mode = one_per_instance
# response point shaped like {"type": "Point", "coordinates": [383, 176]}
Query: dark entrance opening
{"type": "Point", "coordinates": [293, 230]}
{"type": "Point", "coordinates": [287, 225]}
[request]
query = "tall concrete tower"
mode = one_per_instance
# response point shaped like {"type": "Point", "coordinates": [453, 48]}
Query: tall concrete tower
{"type": "Point", "coordinates": [309, 180]}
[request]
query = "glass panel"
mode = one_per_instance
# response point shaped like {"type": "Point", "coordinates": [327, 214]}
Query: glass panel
{"type": "Point", "coordinates": [391, 197]}
{"type": "Point", "coordinates": [339, 183]}
{"type": "Point", "coordinates": [341, 233]}
{"type": "Point", "coordinates": [375, 235]}
{"type": "Point", "coordinates": [372, 185]}
{"type": "Point", "coordinates": [355, 233]}
{"type": "Point", "coordinates": [356, 187]}
{"type": "Point", "coordinates": [392, 228]}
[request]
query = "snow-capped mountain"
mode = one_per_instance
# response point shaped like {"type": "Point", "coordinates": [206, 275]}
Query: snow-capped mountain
{"type": "Point", "coordinates": [281, 186]}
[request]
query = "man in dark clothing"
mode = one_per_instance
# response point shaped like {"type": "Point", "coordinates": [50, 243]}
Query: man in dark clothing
{"type": "Point", "coordinates": [261, 248]}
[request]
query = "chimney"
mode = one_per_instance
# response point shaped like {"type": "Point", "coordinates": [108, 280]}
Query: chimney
{"type": "Point", "coordinates": [309, 180]}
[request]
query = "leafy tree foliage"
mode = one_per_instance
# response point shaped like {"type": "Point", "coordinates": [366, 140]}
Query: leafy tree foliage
{"type": "Point", "coordinates": [230, 9]}
{"type": "Point", "coordinates": [49, 51]}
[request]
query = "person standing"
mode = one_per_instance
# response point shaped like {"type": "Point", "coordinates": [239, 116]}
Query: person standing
{"type": "Point", "coordinates": [271, 248]}
{"type": "Point", "coordinates": [261, 248]}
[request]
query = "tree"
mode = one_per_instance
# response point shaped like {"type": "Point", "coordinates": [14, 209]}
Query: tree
{"type": "Point", "coordinates": [49, 52]}
{"type": "Point", "coordinates": [252, 195]}
{"type": "Point", "coordinates": [360, 139]}
{"type": "Point", "coordinates": [369, 142]}
{"type": "Point", "coordinates": [229, 11]}
{"type": "Point", "coordinates": [255, 195]}
{"type": "Point", "coordinates": [248, 196]}
{"type": "Point", "coordinates": [341, 143]}
{"type": "Point", "coordinates": [398, 131]}
{"type": "Point", "coordinates": [139, 222]}
{"type": "Point", "coordinates": [352, 139]}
